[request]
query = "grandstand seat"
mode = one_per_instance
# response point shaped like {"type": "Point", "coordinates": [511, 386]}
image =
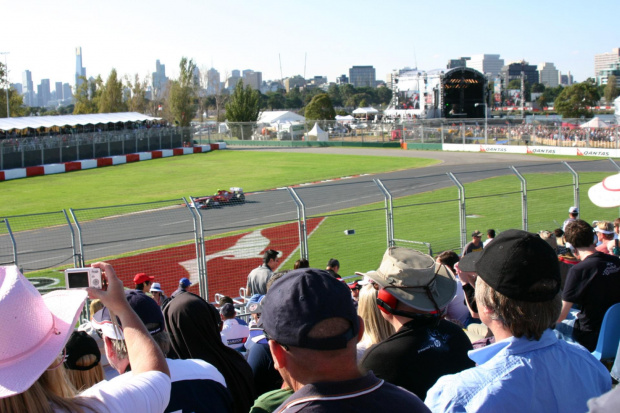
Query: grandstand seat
{"type": "Point", "coordinates": [609, 337]}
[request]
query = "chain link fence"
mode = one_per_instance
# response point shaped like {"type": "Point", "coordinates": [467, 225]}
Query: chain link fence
{"type": "Point", "coordinates": [217, 246]}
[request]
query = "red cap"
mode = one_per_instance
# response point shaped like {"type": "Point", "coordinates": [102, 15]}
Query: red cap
{"type": "Point", "coordinates": [142, 277]}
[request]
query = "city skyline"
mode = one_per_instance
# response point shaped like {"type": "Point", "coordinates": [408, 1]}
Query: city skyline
{"type": "Point", "coordinates": [326, 39]}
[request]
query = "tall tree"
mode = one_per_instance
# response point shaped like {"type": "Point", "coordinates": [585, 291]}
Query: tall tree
{"type": "Point", "coordinates": [611, 89]}
{"type": "Point", "coordinates": [84, 101]}
{"type": "Point", "coordinates": [111, 98]}
{"type": "Point", "coordinates": [574, 100]}
{"type": "Point", "coordinates": [320, 108]}
{"type": "Point", "coordinates": [182, 100]}
{"type": "Point", "coordinates": [16, 102]}
{"type": "Point", "coordinates": [243, 106]}
{"type": "Point", "coordinates": [138, 101]}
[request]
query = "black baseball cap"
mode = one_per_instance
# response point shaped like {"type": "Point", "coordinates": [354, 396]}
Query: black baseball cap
{"type": "Point", "coordinates": [521, 266]}
{"type": "Point", "coordinates": [81, 344]}
{"type": "Point", "coordinates": [468, 262]}
{"type": "Point", "coordinates": [300, 300]}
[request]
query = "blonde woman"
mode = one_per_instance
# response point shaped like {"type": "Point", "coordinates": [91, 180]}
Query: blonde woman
{"type": "Point", "coordinates": [35, 330]}
{"type": "Point", "coordinates": [376, 328]}
{"type": "Point", "coordinates": [83, 361]}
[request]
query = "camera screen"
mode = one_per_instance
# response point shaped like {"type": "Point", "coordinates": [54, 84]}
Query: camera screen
{"type": "Point", "coordinates": [78, 279]}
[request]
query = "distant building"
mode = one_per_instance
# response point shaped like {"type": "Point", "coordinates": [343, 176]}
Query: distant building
{"type": "Point", "coordinates": [513, 71]}
{"type": "Point", "coordinates": [17, 87]}
{"type": "Point", "coordinates": [231, 82]}
{"type": "Point", "coordinates": [252, 79]}
{"type": "Point", "coordinates": [28, 89]}
{"type": "Point", "coordinates": [213, 82]}
{"type": "Point", "coordinates": [58, 90]}
{"type": "Point", "coordinates": [460, 62]}
{"type": "Point", "coordinates": [159, 79]}
{"type": "Point", "coordinates": [613, 69]}
{"type": "Point", "coordinates": [363, 76]}
{"type": "Point", "coordinates": [80, 70]}
{"type": "Point", "coordinates": [67, 94]}
{"type": "Point", "coordinates": [271, 86]}
{"type": "Point", "coordinates": [317, 80]}
{"type": "Point", "coordinates": [293, 82]}
{"type": "Point", "coordinates": [566, 80]}
{"type": "Point", "coordinates": [605, 60]}
{"type": "Point", "coordinates": [43, 93]}
{"type": "Point", "coordinates": [548, 75]}
{"type": "Point", "coordinates": [486, 63]}
{"type": "Point", "coordinates": [342, 80]}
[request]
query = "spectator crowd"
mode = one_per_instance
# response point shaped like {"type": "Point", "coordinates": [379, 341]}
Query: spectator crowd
{"type": "Point", "coordinates": [507, 325]}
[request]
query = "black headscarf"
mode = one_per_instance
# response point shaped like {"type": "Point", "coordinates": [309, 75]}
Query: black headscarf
{"type": "Point", "coordinates": [194, 334]}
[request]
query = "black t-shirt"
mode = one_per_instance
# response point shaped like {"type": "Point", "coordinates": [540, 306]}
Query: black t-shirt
{"type": "Point", "coordinates": [594, 284]}
{"type": "Point", "coordinates": [420, 353]}
{"type": "Point", "coordinates": [471, 247]}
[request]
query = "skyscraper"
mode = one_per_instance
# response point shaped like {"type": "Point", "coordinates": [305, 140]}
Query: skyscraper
{"type": "Point", "coordinates": [252, 79]}
{"type": "Point", "coordinates": [213, 82]}
{"type": "Point", "coordinates": [548, 75]}
{"type": "Point", "coordinates": [159, 78]}
{"type": "Point", "coordinates": [28, 88]}
{"type": "Point", "coordinates": [80, 71]}
{"type": "Point", "coordinates": [44, 92]}
{"type": "Point", "coordinates": [66, 91]}
{"type": "Point", "coordinates": [59, 96]}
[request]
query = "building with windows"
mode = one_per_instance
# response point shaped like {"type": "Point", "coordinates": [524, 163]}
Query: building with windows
{"type": "Point", "coordinates": [43, 93]}
{"type": "Point", "coordinates": [486, 64]}
{"type": "Point", "coordinates": [363, 76]}
{"type": "Point", "coordinates": [513, 71]}
{"type": "Point", "coordinates": [252, 79]}
{"type": "Point", "coordinates": [613, 69]}
{"type": "Point", "coordinates": [28, 88]}
{"type": "Point", "coordinates": [567, 79]}
{"type": "Point", "coordinates": [605, 60]}
{"type": "Point", "coordinates": [17, 87]}
{"type": "Point", "coordinates": [213, 82]}
{"type": "Point", "coordinates": [231, 82]}
{"type": "Point", "coordinates": [67, 94]}
{"type": "Point", "coordinates": [159, 78]}
{"type": "Point", "coordinates": [293, 82]}
{"type": "Point", "coordinates": [342, 80]}
{"type": "Point", "coordinates": [80, 70]}
{"type": "Point", "coordinates": [460, 62]}
{"type": "Point", "coordinates": [548, 75]}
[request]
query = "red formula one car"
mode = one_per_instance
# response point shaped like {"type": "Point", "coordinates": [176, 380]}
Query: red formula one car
{"type": "Point", "coordinates": [221, 197]}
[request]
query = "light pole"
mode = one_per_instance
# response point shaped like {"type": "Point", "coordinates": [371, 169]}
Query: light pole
{"type": "Point", "coordinates": [485, 121]}
{"type": "Point", "coordinates": [6, 77]}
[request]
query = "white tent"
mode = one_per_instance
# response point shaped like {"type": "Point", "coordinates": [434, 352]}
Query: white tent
{"type": "Point", "coordinates": [365, 111]}
{"type": "Point", "coordinates": [279, 116]}
{"type": "Point", "coordinates": [35, 122]}
{"type": "Point", "coordinates": [595, 123]}
{"type": "Point", "coordinates": [320, 134]}
{"type": "Point", "coordinates": [344, 118]}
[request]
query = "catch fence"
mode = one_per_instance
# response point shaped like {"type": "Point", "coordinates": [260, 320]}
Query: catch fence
{"type": "Point", "coordinates": [350, 220]}
{"type": "Point", "coordinates": [41, 149]}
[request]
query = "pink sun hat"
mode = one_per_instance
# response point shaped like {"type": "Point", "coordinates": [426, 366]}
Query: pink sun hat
{"type": "Point", "coordinates": [35, 329]}
{"type": "Point", "coordinates": [607, 193]}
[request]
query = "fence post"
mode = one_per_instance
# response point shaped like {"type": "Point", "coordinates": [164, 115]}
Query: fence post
{"type": "Point", "coordinates": [575, 183]}
{"type": "Point", "coordinates": [523, 198]}
{"type": "Point", "coordinates": [200, 248]}
{"type": "Point", "coordinates": [462, 212]}
{"type": "Point", "coordinates": [80, 256]}
{"type": "Point", "coordinates": [8, 228]}
{"type": "Point", "coordinates": [75, 254]}
{"type": "Point", "coordinates": [301, 221]}
{"type": "Point", "coordinates": [442, 133]}
{"type": "Point", "coordinates": [389, 212]}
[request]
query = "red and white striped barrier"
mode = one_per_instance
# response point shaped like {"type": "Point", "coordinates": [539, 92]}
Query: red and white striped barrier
{"type": "Point", "coordinates": [58, 168]}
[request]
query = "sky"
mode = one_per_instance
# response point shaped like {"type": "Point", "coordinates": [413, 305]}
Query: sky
{"type": "Point", "coordinates": [286, 38]}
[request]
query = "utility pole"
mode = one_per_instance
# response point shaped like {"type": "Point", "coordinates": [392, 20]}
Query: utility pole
{"type": "Point", "coordinates": [6, 77]}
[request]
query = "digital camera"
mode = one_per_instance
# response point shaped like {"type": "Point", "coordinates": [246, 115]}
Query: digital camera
{"type": "Point", "coordinates": [83, 277]}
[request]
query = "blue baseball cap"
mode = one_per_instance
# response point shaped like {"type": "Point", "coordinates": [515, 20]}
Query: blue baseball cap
{"type": "Point", "coordinates": [300, 300]}
{"type": "Point", "coordinates": [184, 282]}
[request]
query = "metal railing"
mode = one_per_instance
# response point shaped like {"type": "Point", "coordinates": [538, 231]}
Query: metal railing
{"type": "Point", "coordinates": [353, 222]}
